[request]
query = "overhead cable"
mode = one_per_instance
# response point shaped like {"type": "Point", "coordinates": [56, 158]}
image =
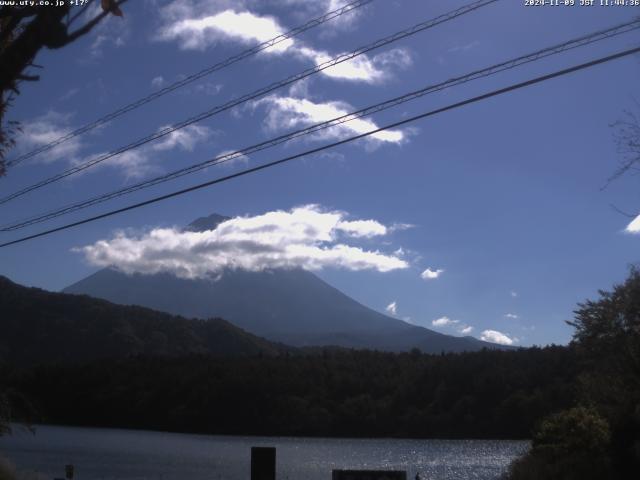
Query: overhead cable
{"type": "Point", "coordinates": [264, 166]}
{"type": "Point", "coordinates": [255, 95]}
{"type": "Point", "coordinates": [228, 157]}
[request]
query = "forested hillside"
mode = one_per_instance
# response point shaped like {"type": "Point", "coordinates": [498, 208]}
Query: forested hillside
{"type": "Point", "coordinates": [490, 394]}
{"type": "Point", "coordinates": [44, 327]}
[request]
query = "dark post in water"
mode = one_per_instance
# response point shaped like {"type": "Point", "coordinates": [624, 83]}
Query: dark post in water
{"type": "Point", "coordinates": [369, 475]}
{"type": "Point", "coordinates": [263, 463]}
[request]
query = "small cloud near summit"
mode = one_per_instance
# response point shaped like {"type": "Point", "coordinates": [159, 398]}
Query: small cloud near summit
{"type": "Point", "coordinates": [494, 336]}
{"type": "Point", "coordinates": [392, 308]}
{"type": "Point", "coordinates": [429, 274]}
{"type": "Point", "coordinates": [443, 322]}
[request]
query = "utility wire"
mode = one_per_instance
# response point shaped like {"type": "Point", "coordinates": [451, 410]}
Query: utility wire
{"type": "Point", "coordinates": [193, 77]}
{"type": "Point", "coordinates": [453, 106]}
{"type": "Point", "coordinates": [258, 93]}
{"type": "Point", "coordinates": [485, 72]}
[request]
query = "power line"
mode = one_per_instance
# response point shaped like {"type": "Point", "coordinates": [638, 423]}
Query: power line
{"type": "Point", "coordinates": [193, 77]}
{"type": "Point", "coordinates": [485, 72]}
{"type": "Point", "coordinates": [258, 93]}
{"type": "Point", "coordinates": [453, 106]}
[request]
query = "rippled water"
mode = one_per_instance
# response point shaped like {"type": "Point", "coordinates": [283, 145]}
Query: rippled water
{"type": "Point", "coordinates": [137, 455]}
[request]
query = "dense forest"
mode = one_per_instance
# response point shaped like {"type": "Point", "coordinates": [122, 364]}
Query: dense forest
{"type": "Point", "coordinates": [47, 327]}
{"type": "Point", "coordinates": [490, 394]}
{"type": "Point", "coordinates": [598, 438]}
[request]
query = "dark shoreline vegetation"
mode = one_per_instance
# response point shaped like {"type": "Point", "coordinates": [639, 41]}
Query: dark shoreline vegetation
{"type": "Point", "coordinates": [579, 404]}
{"type": "Point", "coordinates": [491, 394]}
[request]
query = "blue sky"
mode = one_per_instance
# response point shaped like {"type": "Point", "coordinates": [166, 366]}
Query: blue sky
{"type": "Point", "coordinates": [504, 196]}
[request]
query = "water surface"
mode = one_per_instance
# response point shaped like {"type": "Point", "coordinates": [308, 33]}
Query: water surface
{"type": "Point", "coordinates": [112, 454]}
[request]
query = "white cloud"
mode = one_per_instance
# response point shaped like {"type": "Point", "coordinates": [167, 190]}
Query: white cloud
{"type": "Point", "coordinates": [443, 322]}
{"type": "Point", "coordinates": [464, 48]}
{"type": "Point", "coordinates": [398, 227]}
{"type": "Point", "coordinates": [286, 113]}
{"type": "Point", "coordinates": [392, 308]}
{"type": "Point", "coordinates": [305, 9]}
{"type": "Point", "coordinates": [429, 274]}
{"type": "Point", "coordinates": [363, 228]}
{"type": "Point", "coordinates": [634, 226]}
{"type": "Point", "coordinates": [245, 27]}
{"type": "Point", "coordinates": [185, 138]}
{"type": "Point", "coordinates": [142, 161]}
{"type": "Point", "coordinates": [305, 237]}
{"type": "Point", "coordinates": [200, 25]}
{"type": "Point", "coordinates": [396, 58]}
{"type": "Point", "coordinates": [446, 322]}
{"type": "Point", "coordinates": [357, 68]}
{"type": "Point", "coordinates": [157, 82]}
{"type": "Point", "coordinates": [70, 93]}
{"type": "Point", "coordinates": [233, 159]}
{"type": "Point", "coordinates": [133, 163]}
{"type": "Point", "coordinates": [513, 293]}
{"type": "Point", "coordinates": [208, 88]}
{"type": "Point", "coordinates": [44, 130]}
{"type": "Point", "coordinates": [362, 67]}
{"type": "Point", "coordinates": [300, 89]}
{"type": "Point", "coordinates": [494, 336]}
{"type": "Point", "coordinates": [111, 31]}
{"type": "Point", "coordinates": [511, 315]}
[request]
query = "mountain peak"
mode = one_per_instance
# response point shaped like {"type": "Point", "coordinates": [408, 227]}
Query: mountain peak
{"type": "Point", "coordinates": [206, 223]}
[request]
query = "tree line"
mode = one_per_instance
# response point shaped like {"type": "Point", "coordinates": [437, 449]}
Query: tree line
{"type": "Point", "coordinates": [488, 394]}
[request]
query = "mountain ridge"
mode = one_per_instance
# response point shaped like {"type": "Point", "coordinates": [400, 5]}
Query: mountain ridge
{"type": "Point", "coordinates": [39, 326]}
{"type": "Point", "coordinates": [292, 306]}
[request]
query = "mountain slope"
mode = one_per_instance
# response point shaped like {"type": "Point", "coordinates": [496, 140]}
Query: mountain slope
{"type": "Point", "coordinates": [291, 306]}
{"type": "Point", "coordinates": [40, 326]}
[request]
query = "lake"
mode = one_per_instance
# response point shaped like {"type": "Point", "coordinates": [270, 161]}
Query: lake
{"type": "Point", "coordinates": [112, 454]}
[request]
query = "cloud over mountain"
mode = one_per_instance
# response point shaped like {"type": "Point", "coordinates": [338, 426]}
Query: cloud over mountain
{"type": "Point", "coordinates": [307, 237]}
{"type": "Point", "coordinates": [392, 308]}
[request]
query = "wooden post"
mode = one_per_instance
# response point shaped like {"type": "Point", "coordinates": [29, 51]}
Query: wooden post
{"type": "Point", "coordinates": [369, 475]}
{"type": "Point", "coordinates": [263, 463]}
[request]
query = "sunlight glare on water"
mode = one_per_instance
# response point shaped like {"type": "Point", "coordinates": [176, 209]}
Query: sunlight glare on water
{"type": "Point", "coordinates": [110, 454]}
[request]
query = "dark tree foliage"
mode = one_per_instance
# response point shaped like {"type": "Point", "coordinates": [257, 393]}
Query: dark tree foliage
{"type": "Point", "coordinates": [608, 340]}
{"type": "Point", "coordinates": [5, 414]}
{"type": "Point", "coordinates": [607, 429]}
{"type": "Point", "coordinates": [488, 394]}
{"type": "Point", "coordinates": [627, 137]}
{"type": "Point", "coordinates": [570, 445]}
{"type": "Point", "coordinates": [24, 31]}
{"type": "Point", "coordinates": [46, 327]}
